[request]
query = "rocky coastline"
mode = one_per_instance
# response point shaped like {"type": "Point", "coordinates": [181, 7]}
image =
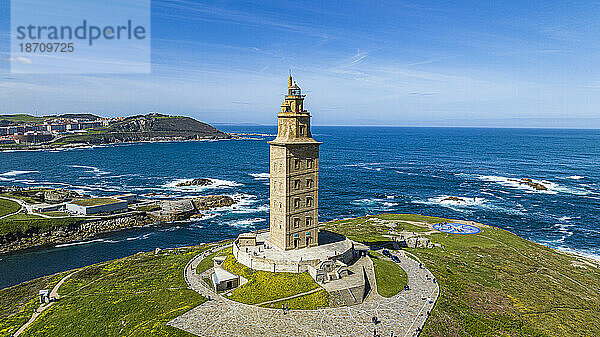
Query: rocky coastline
{"type": "Point", "coordinates": [161, 213]}
{"type": "Point", "coordinates": [84, 230]}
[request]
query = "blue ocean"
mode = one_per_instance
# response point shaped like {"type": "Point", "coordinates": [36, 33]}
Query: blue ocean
{"type": "Point", "coordinates": [364, 170]}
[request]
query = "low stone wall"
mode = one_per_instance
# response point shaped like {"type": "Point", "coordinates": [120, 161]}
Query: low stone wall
{"type": "Point", "coordinates": [282, 266]}
{"type": "Point", "coordinates": [259, 263]}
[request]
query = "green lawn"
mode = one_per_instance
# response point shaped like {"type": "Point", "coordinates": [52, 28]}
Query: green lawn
{"type": "Point", "coordinates": [364, 229]}
{"type": "Point", "coordinates": [492, 284]}
{"type": "Point", "coordinates": [208, 263]}
{"type": "Point", "coordinates": [23, 216]}
{"type": "Point", "coordinates": [94, 201]}
{"type": "Point", "coordinates": [8, 207]}
{"type": "Point", "coordinates": [29, 196]}
{"type": "Point", "coordinates": [148, 208]}
{"type": "Point", "coordinates": [265, 286]}
{"type": "Point", "coordinates": [22, 225]}
{"type": "Point", "coordinates": [23, 118]}
{"type": "Point", "coordinates": [390, 277]}
{"type": "Point", "coordinates": [497, 284]}
{"type": "Point", "coordinates": [134, 296]}
{"type": "Point", "coordinates": [56, 213]}
{"type": "Point", "coordinates": [316, 300]}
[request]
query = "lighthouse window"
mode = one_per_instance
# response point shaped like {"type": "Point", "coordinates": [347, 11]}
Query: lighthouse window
{"type": "Point", "coordinates": [309, 183]}
{"type": "Point", "coordinates": [302, 130]}
{"type": "Point", "coordinates": [296, 222]}
{"type": "Point", "coordinates": [297, 164]}
{"type": "Point", "coordinates": [309, 163]}
{"type": "Point", "coordinates": [297, 184]}
{"type": "Point", "coordinates": [297, 203]}
{"type": "Point", "coordinates": [308, 221]}
{"type": "Point", "coordinates": [309, 202]}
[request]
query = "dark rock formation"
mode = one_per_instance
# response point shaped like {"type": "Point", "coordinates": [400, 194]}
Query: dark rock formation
{"type": "Point", "coordinates": [60, 195]}
{"type": "Point", "coordinates": [534, 185]}
{"type": "Point", "coordinates": [452, 198]}
{"type": "Point", "coordinates": [195, 182]}
{"type": "Point", "coordinates": [212, 201]}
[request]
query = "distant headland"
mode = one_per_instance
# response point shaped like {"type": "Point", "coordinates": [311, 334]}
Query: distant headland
{"type": "Point", "coordinates": [23, 132]}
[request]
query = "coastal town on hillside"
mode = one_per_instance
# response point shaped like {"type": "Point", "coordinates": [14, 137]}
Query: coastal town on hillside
{"type": "Point", "coordinates": [43, 130]}
{"type": "Point", "coordinates": [28, 132]}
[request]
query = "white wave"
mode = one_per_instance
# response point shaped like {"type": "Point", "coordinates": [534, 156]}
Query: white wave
{"type": "Point", "coordinates": [16, 173]}
{"type": "Point", "coordinates": [366, 166]}
{"type": "Point", "coordinates": [139, 237]}
{"type": "Point", "coordinates": [245, 223]}
{"type": "Point", "coordinates": [407, 173]}
{"type": "Point", "coordinates": [575, 177]}
{"type": "Point", "coordinates": [171, 229]}
{"type": "Point", "coordinates": [376, 204]}
{"type": "Point", "coordinates": [84, 243]}
{"type": "Point", "coordinates": [204, 217]}
{"type": "Point", "coordinates": [463, 201]}
{"type": "Point", "coordinates": [244, 204]}
{"type": "Point", "coordinates": [466, 205]}
{"type": "Point", "coordinates": [457, 205]}
{"type": "Point", "coordinates": [214, 184]}
{"type": "Point", "coordinates": [91, 169]}
{"type": "Point", "coordinates": [124, 175]}
{"type": "Point", "coordinates": [564, 229]}
{"type": "Point", "coordinates": [595, 255]}
{"type": "Point", "coordinates": [261, 176]}
{"type": "Point", "coordinates": [552, 188]}
{"type": "Point", "coordinates": [244, 210]}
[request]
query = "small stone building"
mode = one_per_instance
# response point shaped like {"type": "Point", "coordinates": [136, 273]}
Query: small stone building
{"type": "Point", "coordinates": [224, 280]}
{"type": "Point", "coordinates": [247, 240]}
{"type": "Point", "coordinates": [44, 296]}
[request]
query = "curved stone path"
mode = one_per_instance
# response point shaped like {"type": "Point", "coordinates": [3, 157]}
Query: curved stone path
{"type": "Point", "coordinates": [402, 314]}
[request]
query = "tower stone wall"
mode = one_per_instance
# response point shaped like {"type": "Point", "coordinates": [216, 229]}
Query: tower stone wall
{"type": "Point", "coordinates": [294, 167]}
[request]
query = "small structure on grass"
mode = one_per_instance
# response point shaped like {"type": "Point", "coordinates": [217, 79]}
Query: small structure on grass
{"type": "Point", "coordinates": [247, 240]}
{"type": "Point", "coordinates": [44, 296]}
{"type": "Point", "coordinates": [223, 280]}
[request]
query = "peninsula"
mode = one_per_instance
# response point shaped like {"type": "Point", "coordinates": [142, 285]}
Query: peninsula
{"type": "Point", "coordinates": [70, 130]}
{"type": "Point", "coordinates": [31, 217]}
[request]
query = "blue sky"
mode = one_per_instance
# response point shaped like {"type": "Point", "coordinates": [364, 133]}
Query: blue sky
{"type": "Point", "coordinates": [443, 63]}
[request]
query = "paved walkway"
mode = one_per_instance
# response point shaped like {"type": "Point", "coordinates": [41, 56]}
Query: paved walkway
{"type": "Point", "coordinates": [53, 294]}
{"type": "Point", "coordinates": [402, 314]}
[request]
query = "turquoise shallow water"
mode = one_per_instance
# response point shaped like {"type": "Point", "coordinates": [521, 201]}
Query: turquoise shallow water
{"type": "Point", "coordinates": [364, 170]}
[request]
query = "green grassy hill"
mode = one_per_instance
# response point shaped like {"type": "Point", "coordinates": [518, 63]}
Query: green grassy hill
{"type": "Point", "coordinates": [8, 207]}
{"type": "Point", "coordinates": [147, 127]}
{"type": "Point", "coordinates": [6, 120]}
{"type": "Point", "coordinates": [497, 284]}
{"type": "Point", "coordinates": [492, 284]}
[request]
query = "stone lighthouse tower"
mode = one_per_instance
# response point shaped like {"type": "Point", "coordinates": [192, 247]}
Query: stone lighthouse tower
{"type": "Point", "coordinates": [294, 176]}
